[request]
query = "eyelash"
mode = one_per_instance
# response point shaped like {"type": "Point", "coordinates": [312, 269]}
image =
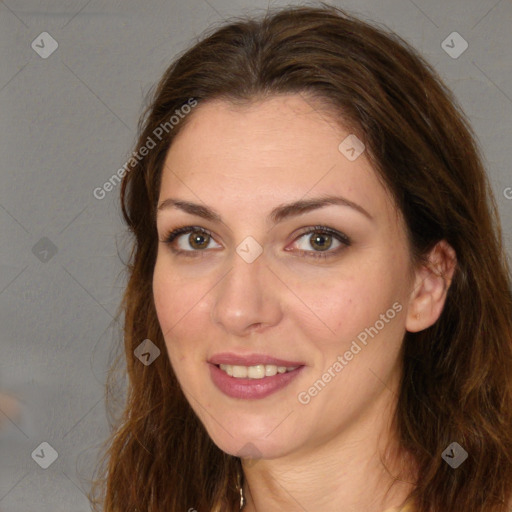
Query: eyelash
{"type": "Point", "coordinates": [345, 240]}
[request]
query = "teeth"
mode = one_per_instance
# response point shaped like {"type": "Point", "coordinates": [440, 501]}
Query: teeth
{"type": "Point", "coordinates": [254, 372]}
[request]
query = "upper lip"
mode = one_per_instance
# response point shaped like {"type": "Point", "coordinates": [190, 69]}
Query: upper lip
{"type": "Point", "coordinates": [250, 360]}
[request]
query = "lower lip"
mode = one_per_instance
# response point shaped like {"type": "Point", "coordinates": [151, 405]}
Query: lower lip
{"type": "Point", "coordinates": [251, 388]}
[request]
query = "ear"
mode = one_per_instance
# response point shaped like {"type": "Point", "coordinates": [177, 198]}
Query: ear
{"type": "Point", "coordinates": [431, 285]}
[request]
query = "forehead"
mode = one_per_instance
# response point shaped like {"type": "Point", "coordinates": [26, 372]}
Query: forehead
{"type": "Point", "coordinates": [280, 128]}
{"type": "Point", "coordinates": [275, 150]}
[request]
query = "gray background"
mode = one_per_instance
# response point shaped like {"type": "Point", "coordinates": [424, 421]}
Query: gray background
{"type": "Point", "coordinates": [68, 123]}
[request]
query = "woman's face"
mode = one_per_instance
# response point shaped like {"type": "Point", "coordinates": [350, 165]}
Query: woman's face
{"type": "Point", "coordinates": [258, 289]}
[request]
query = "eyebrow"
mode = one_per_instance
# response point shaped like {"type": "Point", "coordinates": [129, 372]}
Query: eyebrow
{"type": "Point", "coordinates": [278, 214]}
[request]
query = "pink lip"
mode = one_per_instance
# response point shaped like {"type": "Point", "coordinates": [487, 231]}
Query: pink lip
{"type": "Point", "coordinates": [250, 360]}
{"type": "Point", "coordinates": [251, 388]}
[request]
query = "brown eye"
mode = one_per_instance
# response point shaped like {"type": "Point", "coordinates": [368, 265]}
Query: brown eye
{"type": "Point", "coordinates": [321, 241]}
{"type": "Point", "coordinates": [317, 242]}
{"type": "Point", "coordinates": [199, 240]}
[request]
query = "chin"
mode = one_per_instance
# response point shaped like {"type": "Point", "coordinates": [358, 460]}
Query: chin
{"type": "Point", "coordinates": [245, 443]}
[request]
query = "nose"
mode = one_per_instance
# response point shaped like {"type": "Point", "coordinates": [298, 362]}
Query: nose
{"type": "Point", "coordinates": [247, 299]}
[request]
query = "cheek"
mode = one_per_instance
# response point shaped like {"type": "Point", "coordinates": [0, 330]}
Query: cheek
{"type": "Point", "coordinates": [367, 343]}
{"type": "Point", "coordinates": [179, 303]}
{"type": "Point", "coordinates": [338, 305]}
{"type": "Point", "coordinates": [347, 308]}
{"type": "Point", "coordinates": [167, 291]}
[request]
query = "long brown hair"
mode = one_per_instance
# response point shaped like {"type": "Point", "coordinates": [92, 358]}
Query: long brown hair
{"type": "Point", "coordinates": [457, 374]}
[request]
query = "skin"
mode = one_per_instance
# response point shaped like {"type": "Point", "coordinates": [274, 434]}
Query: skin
{"type": "Point", "coordinates": [242, 162]}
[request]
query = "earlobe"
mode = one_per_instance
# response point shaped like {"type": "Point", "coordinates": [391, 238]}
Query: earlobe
{"type": "Point", "coordinates": [431, 287]}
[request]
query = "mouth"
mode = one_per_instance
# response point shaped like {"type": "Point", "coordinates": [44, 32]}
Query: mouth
{"type": "Point", "coordinates": [252, 382]}
{"type": "Point", "coordinates": [259, 371]}
{"type": "Point", "coordinates": [248, 360]}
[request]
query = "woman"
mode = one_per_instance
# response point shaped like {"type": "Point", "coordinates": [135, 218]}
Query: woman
{"type": "Point", "coordinates": [318, 314]}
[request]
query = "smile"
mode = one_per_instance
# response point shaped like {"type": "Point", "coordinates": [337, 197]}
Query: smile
{"type": "Point", "coordinates": [258, 371]}
{"type": "Point", "coordinates": [252, 382]}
